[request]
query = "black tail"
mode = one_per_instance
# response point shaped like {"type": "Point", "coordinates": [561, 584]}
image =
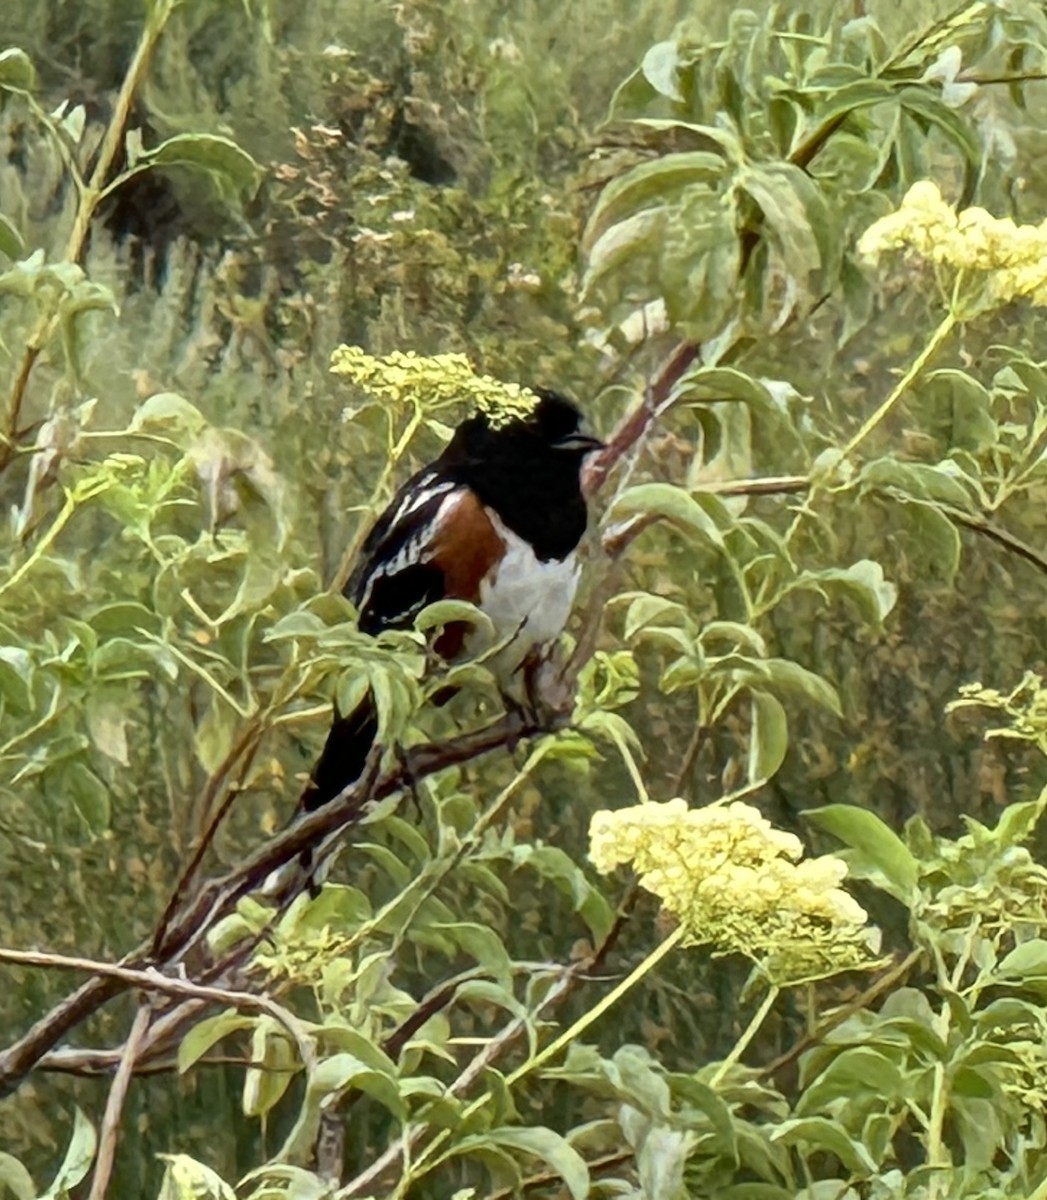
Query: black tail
{"type": "Point", "coordinates": [344, 754]}
{"type": "Point", "coordinates": [340, 765]}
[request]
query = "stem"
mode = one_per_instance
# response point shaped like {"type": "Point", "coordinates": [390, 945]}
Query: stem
{"type": "Point", "coordinates": [90, 196]}
{"type": "Point", "coordinates": [114, 1106]}
{"type": "Point", "coordinates": [948, 323]}
{"type": "Point", "coordinates": [751, 1030]}
{"type": "Point", "coordinates": [425, 1162]}
{"type": "Point", "coordinates": [594, 1014]}
{"type": "Point", "coordinates": [65, 515]}
{"type": "Point", "coordinates": [378, 494]}
{"type": "Point", "coordinates": [937, 1156]}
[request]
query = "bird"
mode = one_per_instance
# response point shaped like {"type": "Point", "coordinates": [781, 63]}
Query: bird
{"type": "Point", "coordinates": [495, 520]}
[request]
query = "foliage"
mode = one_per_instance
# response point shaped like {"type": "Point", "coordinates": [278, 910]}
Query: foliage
{"type": "Point", "coordinates": [414, 184]}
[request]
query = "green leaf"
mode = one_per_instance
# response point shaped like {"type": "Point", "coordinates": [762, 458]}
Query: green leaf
{"type": "Point", "coordinates": [863, 582]}
{"type": "Point", "coordinates": [660, 1160]}
{"type": "Point", "coordinates": [964, 405]}
{"type": "Point", "coordinates": [918, 481]}
{"type": "Point", "coordinates": [76, 782]}
{"type": "Point", "coordinates": [921, 102]}
{"type": "Point", "coordinates": [741, 637]}
{"type": "Point", "coordinates": [343, 1070]}
{"type": "Point", "coordinates": [692, 1092]}
{"type": "Point", "coordinates": [855, 1070]}
{"type": "Point", "coordinates": [17, 72]}
{"type": "Point", "coordinates": [879, 854]}
{"type": "Point", "coordinates": [171, 411]}
{"type": "Point", "coordinates": [15, 1178]}
{"type": "Point", "coordinates": [213, 737]}
{"type": "Point", "coordinates": [621, 242]}
{"type": "Point", "coordinates": [337, 1034]}
{"type": "Point", "coordinates": [819, 1133]}
{"type": "Point", "coordinates": [78, 1158]}
{"type": "Point", "coordinates": [483, 945]}
{"type": "Point", "coordinates": [208, 1033]}
{"type": "Point", "coordinates": [1016, 823]}
{"type": "Point", "coordinates": [233, 170]}
{"type": "Point", "coordinates": [276, 1060]}
{"type": "Point", "coordinates": [666, 501]}
{"type": "Point", "coordinates": [301, 624]}
{"type": "Point", "coordinates": [446, 612]}
{"type": "Point", "coordinates": [646, 609]}
{"type": "Point", "coordinates": [769, 736]}
{"type": "Point", "coordinates": [661, 69]}
{"type": "Point", "coordinates": [651, 181]}
{"type": "Point", "coordinates": [589, 901]}
{"type": "Point", "coordinates": [11, 242]}
{"type": "Point", "coordinates": [16, 674]}
{"type": "Point", "coordinates": [538, 1142]}
{"type": "Point", "coordinates": [796, 217]}
{"type": "Point", "coordinates": [789, 677]}
{"type": "Point", "coordinates": [712, 385]}
{"type": "Point", "coordinates": [187, 1179]}
{"type": "Point", "coordinates": [1025, 961]}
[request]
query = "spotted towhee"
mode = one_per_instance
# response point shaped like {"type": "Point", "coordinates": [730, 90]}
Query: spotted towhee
{"type": "Point", "coordinates": [495, 520]}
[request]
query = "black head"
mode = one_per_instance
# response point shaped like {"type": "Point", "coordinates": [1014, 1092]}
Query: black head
{"type": "Point", "coordinates": [554, 424]}
{"type": "Point", "coordinates": [528, 469]}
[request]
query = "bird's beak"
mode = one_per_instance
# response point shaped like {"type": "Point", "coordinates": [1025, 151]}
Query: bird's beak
{"type": "Point", "coordinates": [579, 443]}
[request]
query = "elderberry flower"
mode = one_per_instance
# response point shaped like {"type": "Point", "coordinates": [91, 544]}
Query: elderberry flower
{"type": "Point", "coordinates": [1006, 259]}
{"type": "Point", "coordinates": [735, 882]}
{"type": "Point", "coordinates": [435, 380]}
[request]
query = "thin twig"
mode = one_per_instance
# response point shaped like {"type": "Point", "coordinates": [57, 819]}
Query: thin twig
{"type": "Point", "coordinates": [995, 534]}
{"type": "Point", "coordinates": [114, 1105]}
{"type": "Point", "coordinates": [885, 983]}
{"type": "Point", "coordinates": [636, 423]}
{"type": "Point", "coordinates": [248, 735]}
{"type": "Point", "coordinates": [219, 896]}
{"type": "Point", "coordinates": [492, 1050]}
{"type": "Point", "coordinates": [150, 979]}
{"type": "Point", "coordinates": [596, 1166]}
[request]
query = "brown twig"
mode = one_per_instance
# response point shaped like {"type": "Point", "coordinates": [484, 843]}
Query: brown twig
{"type": "Point", "coordinates": [150, 979]}
{"type": "Point", "coordinates": [248, 737]}
{"type": "Point", "coordinates": [569, 978]}
{"type": "Point", "coordinates": [636, 423]}
{"type": "Point", "coordinates": [995, 534]}
{"type": "Point", "coordinates": [219, 896]}
{"type": "Point", "coordinates": [114, 1105]}
{"type": "Point", "coordinates": [886, 982]}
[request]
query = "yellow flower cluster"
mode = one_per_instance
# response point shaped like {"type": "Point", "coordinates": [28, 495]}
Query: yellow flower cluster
{"type": "Point", "coordinates": [1025, 708]}
{"type": "Point", "coordinates": [1010, 259]}
{"type": "Point", "coordinates": [736, 882]}
{"type": "Point", "coordinates": [437, 380]}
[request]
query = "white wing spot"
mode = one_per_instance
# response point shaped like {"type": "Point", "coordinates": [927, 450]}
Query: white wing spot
{"type": "Point", "coordinates": [417, 549]}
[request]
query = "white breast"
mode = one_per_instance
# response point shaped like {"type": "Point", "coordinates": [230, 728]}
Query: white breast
{"type": "Point", "coordinates": [528, 600]}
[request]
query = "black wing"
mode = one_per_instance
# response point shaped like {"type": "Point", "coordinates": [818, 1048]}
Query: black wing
{"type": "Point", "coordinates": [396, 574]}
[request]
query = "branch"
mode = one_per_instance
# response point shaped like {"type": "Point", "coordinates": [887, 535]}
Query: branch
{"type": "Point", "coordinates": [219, 896]}
{"type": "Point", "coordinates": [597, 1166]}
{"type": "Point", "coordinates": [114, 1105]}
{"type": "Point", "coordinates": [636, 423]}
{"type": "Point", "coordinates": [570, 976]}
{"type": "Point", "coordinates": [893, 976]}
{"type": "Point", "coordinates": [995, 534]}
{"type": "Point", "coordinates": [150, 979]}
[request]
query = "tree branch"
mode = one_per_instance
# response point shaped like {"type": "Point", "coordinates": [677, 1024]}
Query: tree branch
{"type": "Point", "coordinates": [219, 896]}
{"type": "Point", "coordinates": [636, 423]}
{"type": "Point", "coordinates": [114, 1105]}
